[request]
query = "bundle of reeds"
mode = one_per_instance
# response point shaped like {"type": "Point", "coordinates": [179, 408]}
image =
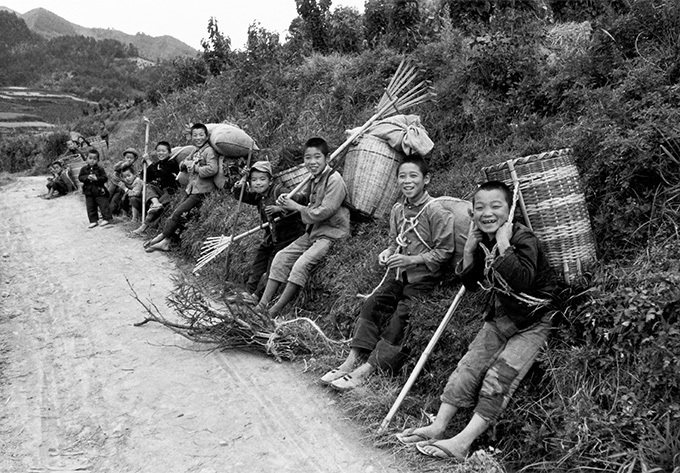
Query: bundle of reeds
{"type": "Point", "coordinates": [398, 96]}
{"type": "Point", "coordinates": [231, 322]}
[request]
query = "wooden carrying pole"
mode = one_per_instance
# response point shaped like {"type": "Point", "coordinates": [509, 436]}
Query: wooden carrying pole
{"type": "Point", "coordinates": [421, 361]}
{"type": "Point", "coordinates": [240, 200]}
{"type": "Point", "coordinates": [144, 166]}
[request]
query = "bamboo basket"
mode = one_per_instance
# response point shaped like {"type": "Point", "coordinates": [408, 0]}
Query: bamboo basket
{"type": "Point", "coordinates": [370, 174]}
{"type": "Point", "coordinates": [291, 177]}
{"type": "Point", "coordinates": [99, 144]}
{"type": "Point", "coordinates": [551, 203]}
{"type": "Point", "coordinates": [74, 163]}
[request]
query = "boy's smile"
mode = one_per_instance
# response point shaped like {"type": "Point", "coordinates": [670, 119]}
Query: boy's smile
{"type": "Point", "coordinates": [162, 152]}
{"type": "Point", "coordinates": [315, 161]}
{"type": "Point", "coordinates": [259, 181]}
{"type": "Point", "coordinates": [198, 138]}
{"type": "Point", "coordinates": [491, 211]}
{"type": "Point", "coordinates": [411, 181]}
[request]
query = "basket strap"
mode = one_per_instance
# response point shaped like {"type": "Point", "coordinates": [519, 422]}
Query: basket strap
{"type": "Point", "coordinates": [517, 196]}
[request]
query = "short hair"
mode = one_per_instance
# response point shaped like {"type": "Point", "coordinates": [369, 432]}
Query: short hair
{"type": "Point", "coordinates": [94, 152]}
{"type": "Point", "coordinates": [418, 160]}
{"type": "Point", "coordinates": [199, 126]}
{"type": "Point", "coordinates": [316, 142]}
{"type": "Point", "coordinates": [496, 186]}
{"type": "Point", "coordinates": [127, 167]}
{"type": "Point", "coordinates": [164, 143]}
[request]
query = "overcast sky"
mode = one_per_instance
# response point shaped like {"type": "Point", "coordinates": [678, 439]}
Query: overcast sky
{"type": "Point", "coordinates": [185, 20]}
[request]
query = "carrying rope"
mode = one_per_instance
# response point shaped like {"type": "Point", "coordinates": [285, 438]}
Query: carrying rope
{"type": "Point", "coordinates": [491, 276]}
{"type": "Point", "coordinates": [407, 225]}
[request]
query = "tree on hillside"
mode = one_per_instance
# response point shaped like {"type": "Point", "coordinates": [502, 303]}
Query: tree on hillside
{"type": "Point", "coordinates": [216, 49]}
{"type": "Point", "coordinates": [13, 31]}
{"type": "Point", "coordinates": [314, 14]}
{"type": "Point", "coordinates": [345, 31]}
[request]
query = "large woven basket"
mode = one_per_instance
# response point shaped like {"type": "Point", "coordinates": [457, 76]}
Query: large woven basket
{"type": "Point", "coordinates": [291, 177]}
{"type": "Point", "coordinates": [74, 163]}
{"type": "Point", "coordinates": [370, 174]}
{"type": "Point", "coordinates": [99, 144]}
{"type": "Point", "coordinates": [552, 204]}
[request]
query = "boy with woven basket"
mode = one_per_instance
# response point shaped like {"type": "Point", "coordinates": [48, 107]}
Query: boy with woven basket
{"type": "Point", "coordinates": [326, 218]}
{"type": "Point", "coordinates": [506, 260]}
{"type": "Point", "coordinates": [262, 193]}
{"type": "Point", "coordinates": [422, 240]}
{"type": "Point", "coordinates": [59, 183]}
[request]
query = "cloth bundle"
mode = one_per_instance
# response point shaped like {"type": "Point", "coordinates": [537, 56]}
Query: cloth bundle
{"type": "Point", "coordinates": [404, 133]}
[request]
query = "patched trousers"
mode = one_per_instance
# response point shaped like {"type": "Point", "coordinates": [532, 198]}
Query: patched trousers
{"type": "Point", "coordinates": [495, 363]}
{"type": "Point", "coordinates": [295, 262]}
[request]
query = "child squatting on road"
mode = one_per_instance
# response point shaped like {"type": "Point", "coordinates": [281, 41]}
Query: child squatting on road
{"type": "Point", "coordinates": [326, 218]}
{"type": "Point", "coordinates": [506, 260]}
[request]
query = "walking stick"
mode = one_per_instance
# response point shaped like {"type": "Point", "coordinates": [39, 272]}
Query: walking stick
{"type": "Point", "coordinates": [421, 362]}
{"type": "Point", "coordinates": [240, 202]}
{"type": "Point", "coordinates": [144, 166]}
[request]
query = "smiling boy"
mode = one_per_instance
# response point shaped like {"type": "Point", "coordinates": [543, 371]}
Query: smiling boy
{"type": "Point", "coordinates": [284, 227]}
{"type": "Point", "coordinates": [326, 220]}
{"type": "Point", "coordinates": [506, 260]}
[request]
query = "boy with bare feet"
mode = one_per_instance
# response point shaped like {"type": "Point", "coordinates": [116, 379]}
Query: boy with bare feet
{"type": "Point", "coordinates": [93, 177]}
{"type": "Point", "coordinates": [326, 219]}
{"type": "Point", "coordinates": [506, 260]}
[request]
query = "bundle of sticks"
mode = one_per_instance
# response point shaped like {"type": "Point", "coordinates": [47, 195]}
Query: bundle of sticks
{"type": "Point", "coordinates": [398, 96]}
{"type": "Point", "coordinates": [233, 323]}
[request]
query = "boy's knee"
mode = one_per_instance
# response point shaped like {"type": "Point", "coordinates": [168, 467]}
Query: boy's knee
{"type": "Point", "coordinates": [498, 380]}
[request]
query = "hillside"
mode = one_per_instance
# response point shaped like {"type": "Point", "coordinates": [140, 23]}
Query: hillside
{"type": "Point", "coordinates": [49, 25]}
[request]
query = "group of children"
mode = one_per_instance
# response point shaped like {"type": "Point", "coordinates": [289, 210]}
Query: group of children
{"type": "Point", "coordinates": [499, 257]}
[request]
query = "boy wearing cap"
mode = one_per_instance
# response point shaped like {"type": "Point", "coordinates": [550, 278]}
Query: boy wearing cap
{"type": "Point", "coordinates": [284, 227]}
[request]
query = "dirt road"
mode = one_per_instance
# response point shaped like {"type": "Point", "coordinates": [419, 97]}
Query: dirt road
{"type": "Point", "coordinates": [84, 390]}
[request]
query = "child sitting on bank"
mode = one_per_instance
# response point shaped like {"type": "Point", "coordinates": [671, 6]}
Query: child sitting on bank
{"type": "Point", "coordinates": [506, 260]}
{"type": "Point", "coordinates": [422, 240]}
{"type": "Point", "coordinates": [116, 186]}
{"type": "Point", "coordinates": [202, 167]}
{"type": "Point", "coordinates": [93, 177]}
{"type": "Point", "coordinates": [262, 192]}
{"type": "Point", "coordinates": [133, 190]}
{"type": "Point", "coordinates": [326, 219]}
{"type": "Point", "coordinates": [161, 177]}
{"type": "Point", "coordinates": [59, 183]}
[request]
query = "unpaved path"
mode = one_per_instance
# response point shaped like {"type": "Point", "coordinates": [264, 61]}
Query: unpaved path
{"type": "Point", "coordinates": [84, 390]}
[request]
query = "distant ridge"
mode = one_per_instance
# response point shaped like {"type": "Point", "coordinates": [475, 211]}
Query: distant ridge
{"type": "Point", "coordinates": [51, 25]}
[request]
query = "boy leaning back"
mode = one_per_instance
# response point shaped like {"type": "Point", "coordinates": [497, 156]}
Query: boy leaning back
{"type": "Point", "coordinates": [93, 177]}
{"type": "Point", "coordinates": [262, 192]}
{"type": "Point", "coordinates": [326, 219]}
{"type": "Point", "coordinates": [506, 260]}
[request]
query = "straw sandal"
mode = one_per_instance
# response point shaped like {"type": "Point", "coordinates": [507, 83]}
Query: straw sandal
{"type": "Point", "coordinates": [332, 375]}
{"type": "Point", "coordinates": [403, 436]}
{"type": "Point", "coordinates": [441, 453]}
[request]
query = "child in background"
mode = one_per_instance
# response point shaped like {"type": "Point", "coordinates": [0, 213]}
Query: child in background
{"type": "Point", "coordinates": [262, 193]}
{"type": "Point", "coordinates": [116, 187]}
{"type": "Point", "coordinates": [202, 166]}
{"type": "Point", "coordinates": [133, 190]}
{"type": "Point", "coordinates": [104, 133]}
{"type": "Point", "coordinates": [93, 177]}
{"type": "Point", "coordinates": [422, 240]}
{"type": "Point", "coordinates": [326, 219]}
{"type": "Point", "coordinates": [59, 183]}
{"type": "Point", "coordinates": [161, 177]}
{"type": "Point", "coordinates": [506, 260]}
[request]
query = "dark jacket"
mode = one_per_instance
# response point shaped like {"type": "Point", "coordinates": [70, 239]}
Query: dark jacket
{"type": "Point", "coordinates": [289, 227]}
{"type": "Point", "coordinates": [163, 174]}
{"type": "Point", "coordinates": [526, 270]}
{"type": "Point", "coordinates": [93, 188]}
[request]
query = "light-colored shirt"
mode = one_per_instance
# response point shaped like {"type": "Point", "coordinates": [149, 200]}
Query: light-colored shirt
{"type": "Point", "coordinates": [430, 236]}
{"type": "Point", "coordinates": [325, 215]}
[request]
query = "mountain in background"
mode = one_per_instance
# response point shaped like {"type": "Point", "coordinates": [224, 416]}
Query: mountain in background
{"type": "Point", "coordinates": [49, 25]}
